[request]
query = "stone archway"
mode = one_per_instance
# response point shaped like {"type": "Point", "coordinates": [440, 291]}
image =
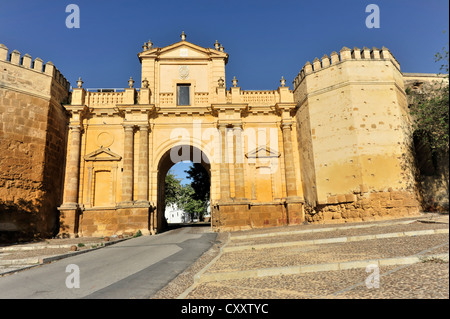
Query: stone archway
{"type": "Point", "coordinates": [171, 157]}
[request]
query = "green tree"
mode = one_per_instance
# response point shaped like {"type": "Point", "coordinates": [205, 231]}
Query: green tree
{"type": "Point", "coordinates": [430, 110]}
{"type": "Point", "coordinates": [188, 202]}
{"type": "Point", "coordinates": [200, 181]}
{"type": "Point", "coordinates": [172, 189]}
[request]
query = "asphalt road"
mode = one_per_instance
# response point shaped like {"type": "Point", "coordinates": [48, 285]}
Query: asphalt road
{"type": "Point", "coordinates": [136, 268]}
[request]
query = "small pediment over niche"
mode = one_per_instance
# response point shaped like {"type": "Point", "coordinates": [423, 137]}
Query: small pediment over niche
{"type": "Point", "coordinates": [102, 154]}
{"type": "Point", "coordinates": [263, 152]}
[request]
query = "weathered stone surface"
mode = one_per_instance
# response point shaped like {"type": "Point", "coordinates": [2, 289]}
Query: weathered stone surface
{"type": "Point", "coordinates": [32, 144]}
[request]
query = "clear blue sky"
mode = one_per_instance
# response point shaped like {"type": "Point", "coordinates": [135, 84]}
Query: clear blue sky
{"type": "Point", "coordinates": [265, 39]}
{"type": "Point", "coordinates": [178, 170]}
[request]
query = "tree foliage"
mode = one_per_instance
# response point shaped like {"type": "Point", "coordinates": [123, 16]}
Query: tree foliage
{"type": "Point", "coordinates": [430, 110]}
{"type": "Point", "coordinates": [189, 203]}
{"type": "Point", "coordinates": [172, 189]}
{"type": "Point", "coordinates": [192, 198]}
{"type": "Point", "coordinates": [200, 181]}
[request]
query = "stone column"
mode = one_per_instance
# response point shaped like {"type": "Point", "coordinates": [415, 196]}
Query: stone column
{"type": "Point", "coordinates": [238, 163]}
{"type": "Point", "coordinates": [289, 168]}
{"type": "Point", "coordinates": [224, 170]}
{"type": "Point", "coordinates": [143, 164]}
{"type": "Point", "coordinates": [128, 159]}
{"type": "Point", "coordinates": [73, 168]}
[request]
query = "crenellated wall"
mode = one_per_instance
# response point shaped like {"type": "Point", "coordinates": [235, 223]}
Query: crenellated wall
{"type": "Point", "coordinates": [354, 136]}
{"type": "Point", "coordinates": [33, 127]}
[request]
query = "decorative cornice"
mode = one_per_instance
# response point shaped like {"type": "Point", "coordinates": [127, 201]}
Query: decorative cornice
{"type": "Point", "coordinates": [94, 156]}
{"type": "Point", "coordinates": [177, 110]}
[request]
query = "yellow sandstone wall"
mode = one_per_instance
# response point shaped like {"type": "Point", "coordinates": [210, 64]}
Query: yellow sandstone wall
{"type": "Point", "coordinates": [33, 128]}
{"type": "Point", "coordinates": [355, 137]}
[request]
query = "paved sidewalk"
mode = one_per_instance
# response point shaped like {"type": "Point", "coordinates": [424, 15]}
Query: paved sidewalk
{"type": "Point", "coordinates": [304, 261]}
{"type": "Point", "coordinates": [408, 257]}
{"type": "Point", "coordinates": [18, 257]}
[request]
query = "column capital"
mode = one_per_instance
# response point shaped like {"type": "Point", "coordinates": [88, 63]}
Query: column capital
{"type": "Point", "coordinates": [143, 126]}
{"type": "Point", "coordinates": [75, 127]}
{"type": "Point", "coordinates": [286, 125]}
{"type": "Point", "coordinates": [237, 126]}
{"type": "Point", "coordinates": [128, 126]}
{"type": "Point", "coordinates": [222, 125]}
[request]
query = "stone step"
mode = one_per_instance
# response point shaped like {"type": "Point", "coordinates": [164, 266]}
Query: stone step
{"type": "Point", "coordinates": [269, 233]}
{"type": "Point", "coordinates": [294, 270]}
{"type": "Point", "coordinates": [337, 240]}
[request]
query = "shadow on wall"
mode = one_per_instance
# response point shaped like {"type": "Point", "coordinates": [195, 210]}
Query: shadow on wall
{"type": "Point", "coordinates": [435, 186]}
{"type": "Point", "coordinates": [20, 221]}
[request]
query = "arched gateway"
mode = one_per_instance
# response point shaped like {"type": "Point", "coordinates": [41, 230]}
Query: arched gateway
{"type": "Point", "coordinates": [176, 154]}
{"type": "Point", "coordinates": [270, 154]}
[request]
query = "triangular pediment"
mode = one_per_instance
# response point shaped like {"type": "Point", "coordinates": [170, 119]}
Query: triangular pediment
{"type": "Point", "coordinates": [263, 152]}
{"type": "Point", "coordinates": [102, 154]}
{"type": "Point", "coordinates": [183, 49]}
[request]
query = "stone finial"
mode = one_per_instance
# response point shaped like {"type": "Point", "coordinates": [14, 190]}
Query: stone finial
{"type": "Point", "coordinates": [221, 48]}
{"type": "Point", "coordinates": [131, 82]}
{"type": "Point", "coordinates": [145, 83]}
{"type": "Point", "coordinates": [216, 45]}
{"type": "Point", "coordinates": [80, 83]}
{"type": "Point", "coordinates": [183, 36]}
{"type": "Point", "coordinates": [221, 82]}
{"type": "Point", "coordinates": [235, 81]}
{"type": "Point", "coordinates": [282, 82]}
{"type": "Point", "coordinates": [145, 47]}
{"type": "Point", "coordinates": [149, 44]}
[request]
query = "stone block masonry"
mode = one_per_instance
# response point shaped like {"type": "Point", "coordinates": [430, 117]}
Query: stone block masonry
{"type": "Point", "coordinates": [334, 149]}
{"type": "Point", "coordinates": [33, 127]}
{"type": "Point", "coordinates": [356, 137]}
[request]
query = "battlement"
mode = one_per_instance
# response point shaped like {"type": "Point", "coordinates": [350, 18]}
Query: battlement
{"type": "Point", "coordinates": [37, 65]}
{"type": "Point", "coordinates": [345, 54]}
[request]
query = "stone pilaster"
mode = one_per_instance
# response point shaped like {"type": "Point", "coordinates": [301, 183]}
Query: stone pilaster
{"type": "Point", "coordinates": [291, 187]}
{"type": "Point", "coordinates": [294, 204]}
{"type": "Point", "coordinates": [70, 209]}
{"type": "Point", "coordinates": [128, 159]}
{"type": "Point", "coordinates": [224, 169]}
{"type": "Point", "coordinates": [73, 169]}
{"type": "Point", "coordinates": [143, 173]}
{"type": "Point", "coordinates": [238, 163]}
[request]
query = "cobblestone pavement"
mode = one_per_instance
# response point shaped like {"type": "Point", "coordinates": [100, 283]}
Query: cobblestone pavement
{"type": "Point", "coordinates": [298, 262]}
{"type": "Point", "coordinates": [330, 270]}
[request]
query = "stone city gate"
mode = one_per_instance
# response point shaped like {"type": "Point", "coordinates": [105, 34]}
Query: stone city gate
{"type": "Point", "coordinates": [333, 149]}
{"type": "Point", "coordinates": [120, 140]}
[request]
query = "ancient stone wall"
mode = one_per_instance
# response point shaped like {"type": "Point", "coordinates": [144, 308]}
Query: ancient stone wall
{"type": "Point", "coordinates": [32, 143]}
{"type": "Point", "coordinates": [356, 137]}
{"type": "Point", "coordinates": [432, 170]}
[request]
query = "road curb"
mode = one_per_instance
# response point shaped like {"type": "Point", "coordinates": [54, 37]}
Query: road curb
{"type": "Point", "coordinates": [296, 270]}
